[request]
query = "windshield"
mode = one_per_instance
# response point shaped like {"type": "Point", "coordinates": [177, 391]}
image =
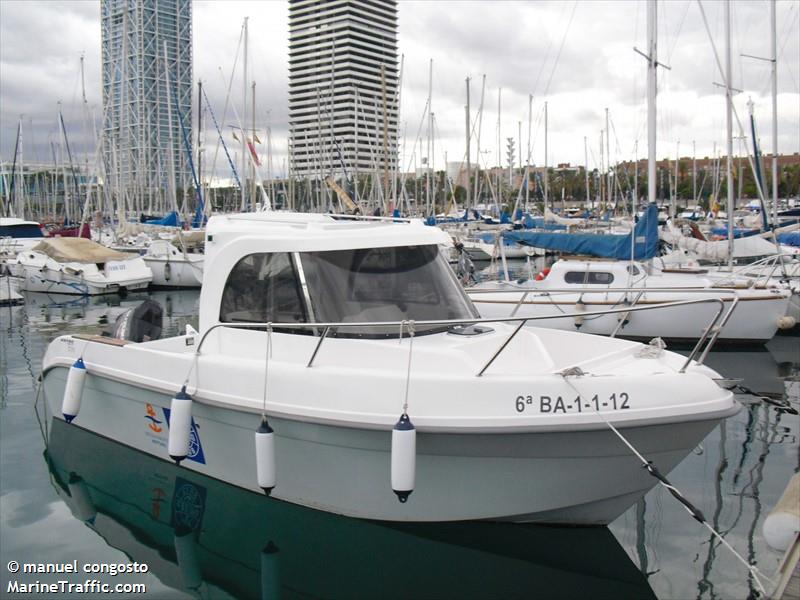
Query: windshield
{"type": "Point", "coordinates": [383, 284]}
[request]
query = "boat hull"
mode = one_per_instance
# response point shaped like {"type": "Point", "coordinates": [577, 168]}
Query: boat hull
{"type": "Point", "coordinates": [568, 477]}
{"type": "Point", "coordinates": [175, 273]}
{"type": "Point", "coordinates": [753, 322]}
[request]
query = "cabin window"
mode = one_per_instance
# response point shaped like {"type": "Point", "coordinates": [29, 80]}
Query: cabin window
{"type": "Point", "coordinates": [263, 288]}
{"type": "Point", "coordinates": [384, 284]}
{"type": "Point", "coordinates": [633, 270]}
{"type": "Point", "coordinates": [589, 277]}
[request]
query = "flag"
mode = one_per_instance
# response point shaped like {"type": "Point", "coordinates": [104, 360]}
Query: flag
{"type": "Point", "coordinates": [253, 153]}
{"type": "Point", "coordinates": [255, 137]}
{"type": "Point", "coordinates": [236, 137]}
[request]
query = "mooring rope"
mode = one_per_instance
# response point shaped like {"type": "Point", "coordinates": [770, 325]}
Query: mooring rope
{"type": "Point", "coordinates": [695, 512]}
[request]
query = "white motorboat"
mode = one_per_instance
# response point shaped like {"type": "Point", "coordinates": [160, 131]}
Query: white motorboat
{"type": "Point", "coordinates": [17, 235]}
{"type": "Point", "coordinates": [79, 266]}
{"type": "Point", "coordinates": [305, 348]}
{"type": "Point", "coordinates": [172, 267]}
{"type": "Point", "coordinates": [572, 287]}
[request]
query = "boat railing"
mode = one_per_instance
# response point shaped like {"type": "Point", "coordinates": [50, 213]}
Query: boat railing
{"type": "Point", "coordinates": [713, 328]}
{"type": "Point", "coordinates": [640, 292]}
{"type": "Point", "coordinates": [407, 327]}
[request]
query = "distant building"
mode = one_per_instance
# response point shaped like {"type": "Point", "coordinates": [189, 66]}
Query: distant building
{"type": "Point", "coordinates": [342, 111]}
{"type": "Point", "coordinates": [146, 94]}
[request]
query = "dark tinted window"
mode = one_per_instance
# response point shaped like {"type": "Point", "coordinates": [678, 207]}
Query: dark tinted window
{"type": "Point", "coordinates": [263, 288]}
{"type": "Point", "coordinates": [589, 277]}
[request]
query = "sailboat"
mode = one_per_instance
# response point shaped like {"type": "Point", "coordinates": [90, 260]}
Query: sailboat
{"type": "Point", "coordinates": [574, 286]}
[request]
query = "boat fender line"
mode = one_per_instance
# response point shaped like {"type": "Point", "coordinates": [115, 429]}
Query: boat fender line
{"type": "Point", "coordinates": [404, 436]}
{"type": "Point", "coordinates": [696, 513]}
{"type": "Point", "coordinates": [73, 391]}
{"type": "Point", "coordinates": [270, 571]}
{"type": "Point", "coordinates": [404, 457]}
{"type": "Point", "coordinates": [580, 307]}
{"type": "Point", "coordinates": [265, 456]}
{"type": "Point", "coordinates": [180, 426]}
{"type": "Point", "coordinates": [266, 470]}
{"type": "Point", "coordinates": [81, 499]}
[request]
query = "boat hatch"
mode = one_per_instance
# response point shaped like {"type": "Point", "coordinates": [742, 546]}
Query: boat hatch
{"type": "Point", "coordinates": [354, 285]}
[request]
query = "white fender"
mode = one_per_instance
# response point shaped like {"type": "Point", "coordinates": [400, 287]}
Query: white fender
{"type": "Point", "coordinates": [180, 425]}
{"type": "Point", "coordinates": [265, 457]}
{"type": "Point", "coordinates": [73, 391]}
{"type": "Point", "coordinates": [404, 457]}
{"type": "Point", "coordinates": [580, 307]}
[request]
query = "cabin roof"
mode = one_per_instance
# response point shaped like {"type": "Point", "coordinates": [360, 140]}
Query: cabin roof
{"type": "Point", "coordinates": [293, 232]}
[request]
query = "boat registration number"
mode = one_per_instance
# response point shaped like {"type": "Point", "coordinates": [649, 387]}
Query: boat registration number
{"type": "Point", "coordinates": [561, 405]}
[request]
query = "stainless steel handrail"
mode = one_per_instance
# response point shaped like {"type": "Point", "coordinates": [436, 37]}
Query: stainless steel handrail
{"type": "Point", "coordinates": [408, 325]}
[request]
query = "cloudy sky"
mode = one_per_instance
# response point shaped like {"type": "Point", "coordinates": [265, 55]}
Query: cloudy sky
{"type": "Point", "coordinates": [575, 55]}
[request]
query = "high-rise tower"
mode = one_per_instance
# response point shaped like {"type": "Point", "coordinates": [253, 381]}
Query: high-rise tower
{"type": "Point", "coordinates": [343, 79]}
{"type": "Point", "coordinates": [147, 85]}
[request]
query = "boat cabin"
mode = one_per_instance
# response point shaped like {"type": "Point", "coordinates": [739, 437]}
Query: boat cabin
{"type": "Point", "coordinates": [601, 273]}
{"type": "Point", "coordinates": [278, 267]}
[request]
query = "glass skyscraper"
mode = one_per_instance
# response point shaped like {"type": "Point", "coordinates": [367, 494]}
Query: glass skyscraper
{"type": "Point", "coordinates": [147, 87]}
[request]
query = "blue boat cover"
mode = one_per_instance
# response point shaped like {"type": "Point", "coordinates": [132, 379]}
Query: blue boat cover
{"type": "Point", "coordinates": [170, 220]}
{"type": "Point", "coordinates": [790, 239]}
{"type": "Point", "coordinates": [737, 232]}
{"type": "Point", "coordinates": [604, 245]}
{"type": "Point", "coordinates": [530, 222]}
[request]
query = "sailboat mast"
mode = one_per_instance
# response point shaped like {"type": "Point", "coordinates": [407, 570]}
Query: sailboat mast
{"type": "Point", "coordinates": [586, 168]}
{"type": "Point", "coordinates": [652, 59]}
{"type": "Point", "coordinates": [609, 195]}
{"type": "Point", "coordinates": [774, 58]}
{"type": "Point", "coordinates": [469, 166]}
{"type": "Point", "coordinates": [244, 120]}
{"type": "Point", "coordinates": [729, 129]}
{"type": "Point", "coordinates": [546, 179]}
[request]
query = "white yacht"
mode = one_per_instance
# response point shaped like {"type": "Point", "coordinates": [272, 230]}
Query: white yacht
{"type": "Point", "coordinates": [17, 235]}
{"type": "Point", "coordinates": [316, 333]}
{"type": "Point", "coordinates": [79, 266]}
{"type": "Point", "coordinates": [573, 286]}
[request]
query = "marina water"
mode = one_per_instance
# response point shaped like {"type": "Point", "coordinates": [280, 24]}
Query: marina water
{"type": "Point", "coordinates": [76, 498]}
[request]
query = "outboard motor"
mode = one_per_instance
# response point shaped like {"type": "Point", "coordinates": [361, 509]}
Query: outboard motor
{"type": "Point", "coordinates": [138, 324]}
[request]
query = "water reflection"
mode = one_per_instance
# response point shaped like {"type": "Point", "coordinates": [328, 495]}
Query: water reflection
{"type": "Point", "coordinates": [237, 544]}
{"type": "Point", "coordinates": [201, 535]}
{"type": "Point", "coordinates": [735, 479]}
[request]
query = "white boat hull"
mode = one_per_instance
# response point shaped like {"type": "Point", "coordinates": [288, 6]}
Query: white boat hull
{"type": "Point", "coordinates": [176, 273]}
{"type": "Point", "coordinates": [754, 321]}
{"type": "Point", "coordinates": [586, 478]}
{"type": "Point", "coordinates": [501, 459]}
